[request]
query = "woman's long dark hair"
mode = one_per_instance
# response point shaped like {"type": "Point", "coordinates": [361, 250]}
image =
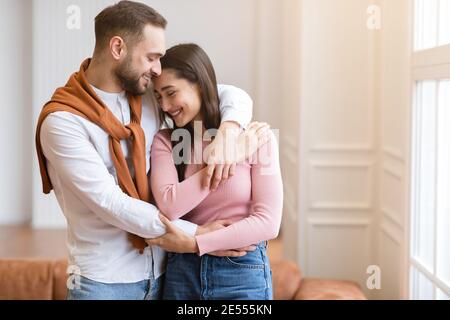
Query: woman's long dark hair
{"type": "Point", "coordinates": [190, 62]}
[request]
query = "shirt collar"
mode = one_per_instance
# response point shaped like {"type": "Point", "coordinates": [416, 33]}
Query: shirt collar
{"type": "Point", "coordinates": [109, 96]}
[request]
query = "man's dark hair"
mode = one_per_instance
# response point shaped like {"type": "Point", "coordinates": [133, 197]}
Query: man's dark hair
{"type": "Point", "coordinates": [126, 19]}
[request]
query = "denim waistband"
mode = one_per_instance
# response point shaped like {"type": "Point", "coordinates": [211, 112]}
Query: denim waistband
{"type": "Point", "coordinates": [262, 244]}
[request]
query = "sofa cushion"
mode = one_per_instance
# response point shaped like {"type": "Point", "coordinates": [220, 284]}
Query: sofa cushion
{"type": "Point", "coordinates": [320, 289]}
{"type": "Point", "coordinates": [286, 278]}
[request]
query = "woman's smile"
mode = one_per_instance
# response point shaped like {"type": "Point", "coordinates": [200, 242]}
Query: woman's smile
{"type": "Point", "coordinates": [175, 113]}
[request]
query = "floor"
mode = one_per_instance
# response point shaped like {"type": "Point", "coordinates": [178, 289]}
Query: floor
{"type": "Point", "coordinates": [28, 243]}
{"type": "Point", "coordinates": [25, 242]}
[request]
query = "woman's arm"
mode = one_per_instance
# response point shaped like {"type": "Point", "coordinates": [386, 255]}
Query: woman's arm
{"type": "Point", "coordinates": [267, 203]}
{"type": "Point", "coordinates": [173, 198]}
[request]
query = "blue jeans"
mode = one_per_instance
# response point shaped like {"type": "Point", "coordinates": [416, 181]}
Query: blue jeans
{"type": "Point", "coordinates": [190, 277]}
{"type": "Point", "coordinates": [92, 290]}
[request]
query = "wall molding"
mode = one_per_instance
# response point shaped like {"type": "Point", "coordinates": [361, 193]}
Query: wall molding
{"type": "Point", "coordinates": [289, 149]}
{"type": "Point", "coordinates": [342, 148]}
{"type": "Point", "coordinates": [393, 153]}
{"type": "Point", "coordinates": [390, 215]}
{"type": "Point", "coordinates": [334, 222]}
{"type": "Point", "coordinates": [388, 212]}
{"type": "Point", "coordinates": [340, 206]}
{"type": "Point", "coordinates": [386, 230]}
{"type": "Point", "coordinates": [291, 203]}
{"type": "Point", "coordinates": [291, 209]}
{"type": "Point", "coordinates": [359, 230]}
{"type": "Point", "coordinates": [393, 172]}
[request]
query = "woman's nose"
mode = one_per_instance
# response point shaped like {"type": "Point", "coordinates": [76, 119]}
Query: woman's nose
{"type": "Point", "coordinates": [164, 105]}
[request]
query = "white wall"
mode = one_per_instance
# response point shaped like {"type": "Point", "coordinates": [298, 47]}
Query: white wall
{"type": "Point", "coordinates": [290, 135]}
{"type": "Point", "coordinates": [394, 152]}
{"type": "Point", "coordinates": [225, 29]}
{"type": "Point", "coordinates": [268, 77]}
{"type": "Point", "coordinates": [15, 112]}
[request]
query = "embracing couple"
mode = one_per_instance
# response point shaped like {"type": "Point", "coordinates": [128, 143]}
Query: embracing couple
{"type": "Point", "coordinates": [147, 217]}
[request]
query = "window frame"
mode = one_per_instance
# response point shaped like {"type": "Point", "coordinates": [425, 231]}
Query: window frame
{"type": "Point", "coordinates": [426, 64]}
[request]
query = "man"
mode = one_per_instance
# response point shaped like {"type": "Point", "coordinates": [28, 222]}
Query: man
{"type": "Point", "coordinates": [93, 141]}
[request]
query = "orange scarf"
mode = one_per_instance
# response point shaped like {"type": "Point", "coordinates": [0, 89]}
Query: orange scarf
{"type": "Point", "coordinates": [78, 97]}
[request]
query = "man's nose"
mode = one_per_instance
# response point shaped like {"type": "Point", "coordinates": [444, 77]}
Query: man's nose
{"type": "Point", "coordinates": [156, 69]}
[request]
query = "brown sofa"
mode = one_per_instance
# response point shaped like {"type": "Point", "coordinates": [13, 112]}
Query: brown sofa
{"type": "Point", "coordinates": [46, 280]}
{"type": "Point", "coordinates": [288, 284]}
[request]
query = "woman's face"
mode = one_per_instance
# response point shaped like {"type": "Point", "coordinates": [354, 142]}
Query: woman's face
{"type": "Point", "coordinates": [177, 97]}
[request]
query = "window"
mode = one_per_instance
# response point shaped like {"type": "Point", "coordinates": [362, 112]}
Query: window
{"type": "Point", "coordinates": [432, 23]}
{"type": "Point", "coordinates": [430, 171]}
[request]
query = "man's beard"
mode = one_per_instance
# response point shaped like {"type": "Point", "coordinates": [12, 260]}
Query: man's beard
{"type": "Point", "coordinates": [129, 79]}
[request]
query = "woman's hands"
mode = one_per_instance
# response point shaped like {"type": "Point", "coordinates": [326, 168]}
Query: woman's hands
{"type": "Point", "coordinates": [231, 146]}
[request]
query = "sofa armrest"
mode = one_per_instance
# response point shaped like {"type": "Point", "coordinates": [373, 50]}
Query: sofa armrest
{"type": "Point", "coordinates": [59, 279]}
{"type": "Point", "coordinates": [26, 279]}
{"type": "Point", "coordinates": [321, 289]}
{"type": "Point", "coordinates": [286, 278]}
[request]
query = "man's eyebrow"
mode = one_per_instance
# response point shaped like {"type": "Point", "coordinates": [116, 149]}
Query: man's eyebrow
{"type": "Point", "coordinates": [158, 54]}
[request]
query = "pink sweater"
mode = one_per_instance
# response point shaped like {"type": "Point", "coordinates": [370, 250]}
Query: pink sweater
{"type": "Point", "coordinates": [252, 198]}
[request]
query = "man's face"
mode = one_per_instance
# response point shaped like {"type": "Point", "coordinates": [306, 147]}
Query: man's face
{"type": "Point", "coordinates": [142, 61]}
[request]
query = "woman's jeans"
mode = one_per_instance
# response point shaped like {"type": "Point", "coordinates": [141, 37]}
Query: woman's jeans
{"type": "Point", "coordinates": [190, 277]}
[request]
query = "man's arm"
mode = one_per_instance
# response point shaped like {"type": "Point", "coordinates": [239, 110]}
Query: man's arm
{"type": "Point", "coordinates": [80, 168]}
{"type": "Point", "coordinates": [235, 105]}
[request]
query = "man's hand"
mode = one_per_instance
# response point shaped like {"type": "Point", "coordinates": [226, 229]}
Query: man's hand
{"type": "Point", "coordinates": [174, 240]}
{"type": "Point", "coordinates": [231, 146]}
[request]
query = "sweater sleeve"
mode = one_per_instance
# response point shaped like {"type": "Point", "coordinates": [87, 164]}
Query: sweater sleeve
{"type": "Point", "coordinates": [264, 220]}
{"type": "Point", "coordinates": [173, 198]}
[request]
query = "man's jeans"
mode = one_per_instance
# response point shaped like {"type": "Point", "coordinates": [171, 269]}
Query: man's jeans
{"type": "Point", "coordinates": [93, 290]}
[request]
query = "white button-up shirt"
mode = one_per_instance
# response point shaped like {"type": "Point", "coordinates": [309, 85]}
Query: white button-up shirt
{"type": "Point", "coordinates": [99, 214]}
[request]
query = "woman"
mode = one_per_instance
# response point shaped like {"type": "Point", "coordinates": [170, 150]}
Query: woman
{"type": "Point", "coordinates": [251, 198]}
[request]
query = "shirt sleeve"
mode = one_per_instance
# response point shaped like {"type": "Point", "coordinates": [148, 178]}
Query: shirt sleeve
{"type": "Point", "coordinates": [235, 105]}
{"type": "Point", "coordinates": [172, 197]}
{"type": "Point", "coordinates": [78, 165]}
{"type": "Point", "coordinates": [264, 220]}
